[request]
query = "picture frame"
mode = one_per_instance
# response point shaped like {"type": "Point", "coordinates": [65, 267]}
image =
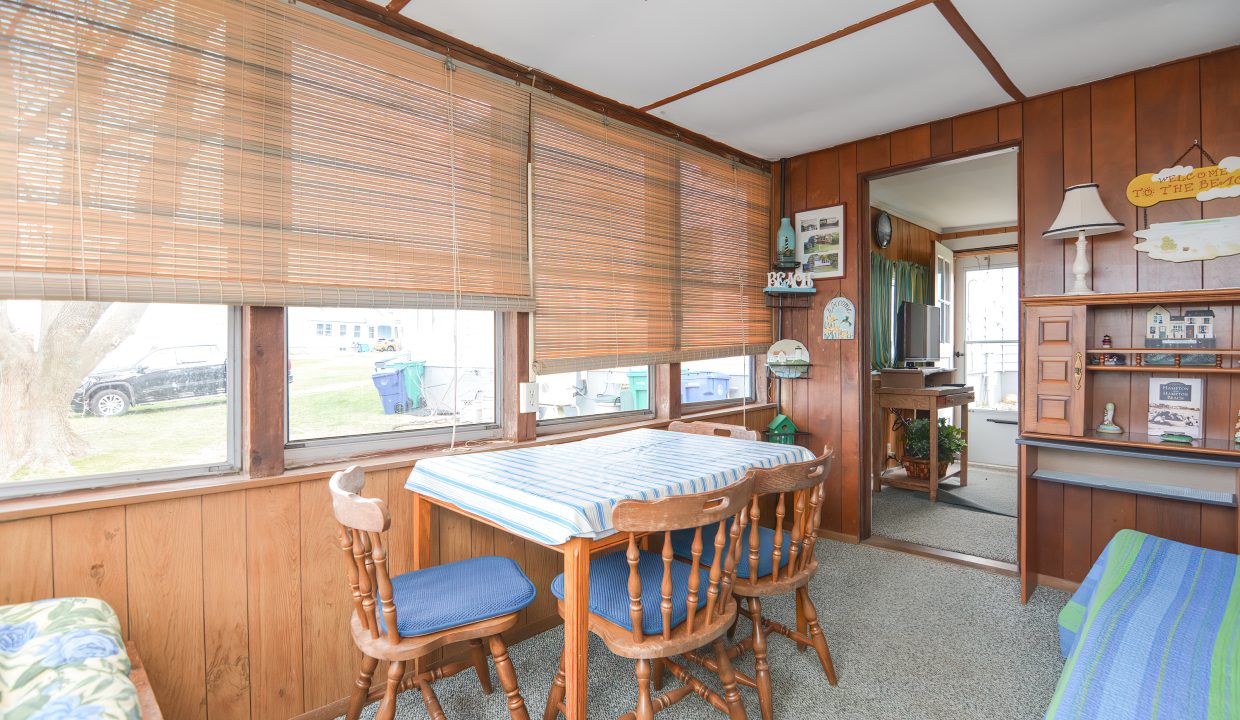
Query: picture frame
{"type": "Point", "coordinates": [821, 242]}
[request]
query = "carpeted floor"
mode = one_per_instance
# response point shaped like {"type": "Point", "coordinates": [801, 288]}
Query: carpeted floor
{"type": "Point", "coordinates": [913, 639]}
{"type": "Point", "coordinates": [910, 516]}
{"type": "Point", "coordinates": [990, 489]}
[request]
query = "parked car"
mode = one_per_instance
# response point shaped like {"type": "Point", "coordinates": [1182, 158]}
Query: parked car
{"type": "Point", "coordinates": [163, 374]}
{"type": "Point", "coordinates": [386, 345]}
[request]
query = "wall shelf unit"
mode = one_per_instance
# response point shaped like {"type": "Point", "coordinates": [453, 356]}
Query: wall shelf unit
{"type": "Point", "coordinates": [1078, 486]}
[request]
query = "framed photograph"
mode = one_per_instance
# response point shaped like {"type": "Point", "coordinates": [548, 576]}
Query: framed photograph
{"type": "Point", "coordinates": [820, 242]}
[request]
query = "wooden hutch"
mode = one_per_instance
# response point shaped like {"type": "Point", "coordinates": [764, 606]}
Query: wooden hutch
{"type": "Point", "coordinates": [1078, 486]}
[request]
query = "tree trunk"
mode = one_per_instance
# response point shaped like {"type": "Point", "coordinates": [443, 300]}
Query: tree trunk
{"type": "Point", "coordinates": [37, 385]}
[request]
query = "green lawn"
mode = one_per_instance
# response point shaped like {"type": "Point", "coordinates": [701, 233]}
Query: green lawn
{"type": "Point", "coordinates": [329, 397]}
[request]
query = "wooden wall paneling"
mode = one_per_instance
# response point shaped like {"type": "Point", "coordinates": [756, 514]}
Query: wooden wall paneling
{"type": "Point", "coordinates": [1113, 137]}
{"type": "Point", "coordinates": [1172, 519]}
{"type": "Point", "coordinates": [1111, 511]}
{"type": "Point", "coordinates": [1026, 512]}
{"type": "Point", "coordinates": [910, 145]}
{"type": "Point", "coordinates": [88, 558]}
{"type": "Point", "coordinates": [400, 506]}
{"type": "Point", "coordinates": [1077, 163]}
{"type": "Point", "coordinates": [854, 361]}
{"type": "Point", "coordinates": [796, 400]}
{"type": "Point", "coordinates": [1042, 158]}
{"type": "Point", "coordinates": [822, 187]}
{"type": "Point", "coordinates": [1168, 107]}
{"type": "Point", "coordinates": [873, 153]}
{"type": "Point", "coordinates": [225, 606]}
{"type": "Point", "coordinates": [1218, 528]}
{"type": "Point", "coordinates": [1009, 122]}
{"type": "Point", "coordinates": [329, 656]}
{"type": "Point", "coordinates": [940, 138]}
{"type": "Point", "coordinates": [164, 556]}
{"type": "Point", "coordinates": [1077, 536]}
{"type": "Point", "coordinates": [273, 520]}
{"type": "Point", "coordinates": [975, 130]}
{"type": "Point", "coordinates": [1049, 529]}
{"type": "Point", "coordinates": [28, 560]}
{"type": "Point", "coordinates": [518, 426]}
{"type": "Point", "coordinates": [1220, 135]}
{"type": "Point", "coordinates": [1139, 399]}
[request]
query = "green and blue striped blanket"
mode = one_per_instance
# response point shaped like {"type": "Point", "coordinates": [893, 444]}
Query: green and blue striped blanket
{"type": "Point", "coordinates": [1153, 632]}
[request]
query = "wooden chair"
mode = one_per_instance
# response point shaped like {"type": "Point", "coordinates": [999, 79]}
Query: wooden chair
{"type": "Point", "coordinates": [709, 428]}
{"type": "Point", "coordinates": [785, 563]}
{"type": "Point", "coordinates": [650, 607]}
{"type": "Point", "coordinates": [421, 611]}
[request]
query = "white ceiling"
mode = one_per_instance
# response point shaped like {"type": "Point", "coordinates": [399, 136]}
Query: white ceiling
{"type": "Point", "coordinates": [979, 191]}
{"type": "Point", "coordinates": [1046, 45]}
{"type": "Point", "coordinates": [904, 71]}
{"type": "Point", "coordinates": [833, 93]}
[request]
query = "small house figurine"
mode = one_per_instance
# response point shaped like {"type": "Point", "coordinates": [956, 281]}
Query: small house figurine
{"type": "Point", "coordinates": [1237, 436]}
{"type": "Point", "coordinates": [782, 431]}
{"type": "Point", "coordinates": [1193, 329]}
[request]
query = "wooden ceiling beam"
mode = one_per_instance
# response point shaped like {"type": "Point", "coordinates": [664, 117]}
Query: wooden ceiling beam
{"type": "Point", "coordinates": [843, 32]}
{"type": "Point", "coordinates": [970, 38]}
{"type": "Point", "coordinates": [389, 21]}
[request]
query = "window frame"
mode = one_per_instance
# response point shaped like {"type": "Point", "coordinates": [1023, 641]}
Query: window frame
{"type": "Point", "coordinates": [301, 453]}
{"type": "Point", "coordinates": [235, 369]}
{"type": "Point", "coordinates": [555, 426]}
{"type": "Point", "coordinates": [750, 399]}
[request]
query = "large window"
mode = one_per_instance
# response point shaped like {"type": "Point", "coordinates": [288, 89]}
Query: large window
{"type": "Point", "coordinates": [992, 331]}
{"type": "Point", "coordinates": [585, 394]}
{"type": "Point", "coordinates": [424, 371]}
{"type": "Point", "coordinates": [717, 381]}
{"type": "Point", "coordinates": [131, 391]}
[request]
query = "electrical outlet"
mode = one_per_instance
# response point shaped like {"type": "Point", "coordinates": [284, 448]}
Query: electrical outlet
{"type": "Point", "coordinates": [529, 397]}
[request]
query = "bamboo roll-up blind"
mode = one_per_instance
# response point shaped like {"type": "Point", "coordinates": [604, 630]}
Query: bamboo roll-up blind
{"type": "Point", "coordinates": [252, 152]}
{"type": "Point", "coordinates": [645, 251]}
{"type": "Point", "coordinates": [724, 227]}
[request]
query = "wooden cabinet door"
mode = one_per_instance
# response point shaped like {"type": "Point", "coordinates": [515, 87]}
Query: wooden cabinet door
{"type": "Point", "coordinates": [1054, 385]}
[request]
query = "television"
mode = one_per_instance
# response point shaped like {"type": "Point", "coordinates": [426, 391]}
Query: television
{"type": "Point", "coordinates": [917, 333]}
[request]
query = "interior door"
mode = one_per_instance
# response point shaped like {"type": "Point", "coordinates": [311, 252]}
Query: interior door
{"type": "Point", "coordinates": [988, 352]}
{"type": "Point", "coordinates": [1054, 354]}
{"type": "Point", "coordinates": [945, 298]}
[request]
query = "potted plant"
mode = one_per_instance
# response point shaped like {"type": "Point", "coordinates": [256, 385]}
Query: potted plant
{"type": "Point", "coordinates": [917, 447]}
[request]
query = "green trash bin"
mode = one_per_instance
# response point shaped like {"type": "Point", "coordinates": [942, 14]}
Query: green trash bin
{"type": "Point", "coordinates": [415, 373]}
{"type": "Point", "coordinates": [637, 397]}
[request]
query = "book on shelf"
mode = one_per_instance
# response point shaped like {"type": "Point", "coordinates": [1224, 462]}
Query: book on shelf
{"type": "Point", "coordinates": [1175, 406]}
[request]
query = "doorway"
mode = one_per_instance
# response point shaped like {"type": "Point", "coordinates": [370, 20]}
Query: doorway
{"type": "Point", "coordinates": [944, 305]}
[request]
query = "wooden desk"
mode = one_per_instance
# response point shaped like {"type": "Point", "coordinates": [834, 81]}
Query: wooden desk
{"type": "Point", "coordinates": [930, 400]}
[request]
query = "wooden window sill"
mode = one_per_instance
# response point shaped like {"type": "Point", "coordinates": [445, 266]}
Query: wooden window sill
{"type": "Point", "coordinates": [92, 498]}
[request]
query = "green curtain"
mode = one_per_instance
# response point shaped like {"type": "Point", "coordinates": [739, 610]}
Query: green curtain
{"type": "Point", "coordinates": [881, 270]}
{"type": "Point", "coordinates": [913, 283]}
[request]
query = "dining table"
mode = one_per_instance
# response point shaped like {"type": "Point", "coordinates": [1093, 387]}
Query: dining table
{"type": "Point", "coordinates": [561, 496]}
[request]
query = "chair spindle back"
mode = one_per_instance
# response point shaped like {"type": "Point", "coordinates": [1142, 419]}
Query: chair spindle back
{"type": "Point", "coordinates": [718, 429]}
{"type": "Point", "coordinates": [363, 522]}
{"type": "Point", "coordinates": [637, 517]}
{"type": "Point", "coordinates": [806, 483]}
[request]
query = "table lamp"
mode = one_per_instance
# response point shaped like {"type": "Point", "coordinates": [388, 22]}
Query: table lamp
{"type": "Point", "coordinates": [1082, 214]}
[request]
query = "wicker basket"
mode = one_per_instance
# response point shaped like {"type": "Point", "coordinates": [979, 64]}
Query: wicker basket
{"type": "Point", "coordinates": [919, 468]}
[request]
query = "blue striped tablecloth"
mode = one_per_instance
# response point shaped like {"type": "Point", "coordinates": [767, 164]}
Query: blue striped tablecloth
{"type": "Point", "coordinates": [551, 493]}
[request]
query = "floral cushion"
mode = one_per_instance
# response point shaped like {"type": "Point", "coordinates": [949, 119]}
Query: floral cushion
{"type": "Point", "coordinates": [64, 659]}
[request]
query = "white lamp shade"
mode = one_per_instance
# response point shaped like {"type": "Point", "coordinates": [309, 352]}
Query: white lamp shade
{"type": "Point", "coordinates": [1082, 211]}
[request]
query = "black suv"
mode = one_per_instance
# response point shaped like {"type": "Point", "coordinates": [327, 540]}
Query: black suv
{"type": "Point", "coordinates": [163, 374]}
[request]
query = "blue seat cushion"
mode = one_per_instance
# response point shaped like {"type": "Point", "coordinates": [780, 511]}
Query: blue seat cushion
{"type": "Point", "coordinates": [609, 590]}
{"type": "Point", "coordinates": [458, 593]}
{"type": "Point", "coordinates": [682, 545]}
